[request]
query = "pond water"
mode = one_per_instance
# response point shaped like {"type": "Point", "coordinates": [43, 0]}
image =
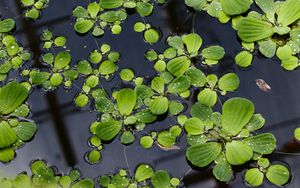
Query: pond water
{"type": "Point", "coordinates": [63, 131]}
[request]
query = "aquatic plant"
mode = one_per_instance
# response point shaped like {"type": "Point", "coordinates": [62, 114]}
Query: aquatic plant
{"type": "Point", "coordinates": [34, 8]}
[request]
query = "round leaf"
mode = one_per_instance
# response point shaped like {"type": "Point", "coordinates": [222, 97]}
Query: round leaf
{"type": "Point", "coordinates": [108, 130]}
{"type": "Point", "coordinates": [238, 153]}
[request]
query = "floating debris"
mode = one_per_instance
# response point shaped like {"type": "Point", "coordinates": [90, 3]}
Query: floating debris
{"type": "Point", "coordinates": [262, 85]}
{"type": "Point", "coordinates": [168, 148]}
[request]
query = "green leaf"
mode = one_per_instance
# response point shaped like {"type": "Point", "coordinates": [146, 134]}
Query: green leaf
{"type": "Point", "coordinates": [126, 100]}
{"type": "Point", "coordinates": [93, 156]}
{"type": "Point", "coordinates": [143, 172]}
{"type": "Point", "coordinates": [175, 107]}
{"type": "Point", "coordinates": [151, 36]}
{"type": "Point", "coordinates": [145, 116]}
{"type": "Point", "coordinates": [268, 6]}
{"type": "Point", "coordinates": [107, 67]}
{"type": "Point", "coordinates": [203, 154]}
{"type": "Point", "coordinates": [203, 112]}
{"type": "Point", "coordinates": [244, 59]}
{"type": "Point", "coordinates": [254, 177]}
{"type": "Point", "coordinates": [194, 126]}
{"type": "Point", "coordinates": [108, 130]}
{"type": "Point", "coordinates": [7, 135]}
{"type": "Point", "coordinates": [111, 4]}
{"type": "Point", "coordinates": [22, 180]}
{"type": "Point", "coordinates": [25, 130]}
{"type": "Point", "coordinates": [196, 76]}
{"type": "Point", "coordinates": [175, 42]}
{"type": "Point", "coordinates": [278, 174]}
{"type": "Point", "coordinates": [297, 133]}
{"type": "Point", "coordinates": [93, 9]}
{"type": "Point", "coordinates": [223, 171]}
{"type": "Point", "coordinates": [12, 95]}
{"type": "Point", "coordinates": [27, 2]}
{"type": "Point", "coordinates": [127, 137]}
{"type": "Point", "coordinates": [33, 13]}
{"type": "Point", "coordinates": [60, 41]}
{"type": "Point", "coordinates": [159, 105]}
{"type": "Point", "coordinates": [161, 179]}
{"type": "Point", "coordinates": [291, 63]}
{"type": "Point", "coordinates": [256, 122]}
{"type": "Point", "coordinates": [144, 9]}
{"type": "Point", "coordinates": [284, 52]}
{"type": "Point", "coordinates": [7, 155]}
{"type": "Point", "coordinates": [229, 82]}
{"type": "Point", "coordinates": [6, 25]}
{"type": "Point", "coordinates": [213, 53]}
{"type": "Point", "coordinates": [192, 42]}
{"type": "Point", "coordinates": [267, 48]}
{"type": "Point", "coordinates": [80, 12]}
{"type": "Point", "coordinates": [235, 7]}
{"type": "Point", "coordinates": [236, 113]}
{"type": "Point", "coordinates": [83, 26]}
{"type": "Point", "coordinates": [207, 97]}
{"type": "Point", "coordinates": [166, 139]}
{"type": "Point", "coordinates": [289, 12]}
{"type": "Point", "coordinates": [146, 142]}
{"type": "Point", "coordinates": [179, 84]}
{"type": "Point", "coordinates": [62, 60]}
{"type": "Point", "coordinates": [158, 85]}
{"type": "Point", "coordinates": [238, 153]}
{"type": "Point", "coordinates": [85, 183]}
{"type": "Point", "coordinates": [196, 4]}
{"type": "Point", "coordinates": [252, 29]}
{"type": "Point", "coordinates": [179, 65]}
{"type": "Point", "coordinates": [262, 143]}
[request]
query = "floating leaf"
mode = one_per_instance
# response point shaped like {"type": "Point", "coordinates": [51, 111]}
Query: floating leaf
{"type": "Point", "coordinates": [196, 4]}
{"type": "Point", "coordinates": [25, 130]}
{"type": "Point", "coordinates": [160, 179]}
{"type": "Point", "coordinates": [151, 36]}
{"type": "Point", "coordinates": [93, 9]}
{"type": "Point", "coordinates": [203, 154]}
{"type": "Point", "coordinates": [6, 25]}
{"type": "Point", "coordinates": [238, 153]}
{"type": "Point", "coordinates": [144, 8]}
{"type": "Point", "coordinates": [289, 12]}
{"type": "Point", "coordinates": [83, 26]}
{"type": "Point", "coordinates": [203, 112]}
{"type": "Point", "coordinates": [143, 172]}
{"type": "Point", "coordinates": [127, 137]}
{"type": "Point", "coordinates": [145, 116]}
{"type": "Point", "coordinates": [236, 113]}
{"type": "Point", "coordinates": [12, 95]}
{"type": "Point", "coordinates": [213, 53]}
{"type": "Point", "coordinates": [158, 85]}
{"type": "Point", "coordinates": [192, 42]}
{"type": "Point", "coordinates": [194, 126]}
{"type": "Point", "coordinates": [207, 97]}
{"type": "Point", "coordinates": [159, 105]}
{"type": "Point", "coordinates": [251, 29]}
{"type": "Point", "coordinates": [7, 135]}
{"type": "Point", "coordinates": [126, 100]}
{"type": "Point", "coordinates": [244, 59]}
{"type": "Point", "coordinates": [108, 130]}
{"type": "Point", "coordinates": [297, 133]}
{"type": "Point", "coordinates": [223, 171]}
{"type": "Point", "coordinates": [178, 66]}
{"type": "Point", "coordinates": [62, 60]}
{"type": "Point", "coordinates": [146, 142]}
{"type": "Point", "coordinates": [179, 85]}
{"type": "Point", "coordinates": [196, 76]}
{"type": "Point", "coordinates": [235, 7]}
{"type": "Point", "coordinates": [93, 156]}
{"type": "Point", "coordinates": [256, 122]}
{"type": "Point", "coordinates": [267, 48]}
{"type": "Point", "coordinates": [107, 67]}
{"type": "Point", "coordinates": [175, 107]}
{"type": "Point", "coordinates": [278, 174]}
{"type": "Point", "coordinates": [291, 63]}
{"type": "Point", "coordinates": [111, 4]}
{"type": "Point", "coordinates": [7, 155]}
{"type": "Point", "coordinates": [262, 143]}
{"type": "Point", "coordinates": [254, 177]}
{"type": "Point", "coordinates": [229, 82]}
{"type": "Point", "coordinates": [80, 12]}
{"type": "Point", "coordinates": [86, 183]}
{"type": "Point", "coordinates": [166, 139]}
{"type": "Point", "coordinates": [268, 6]}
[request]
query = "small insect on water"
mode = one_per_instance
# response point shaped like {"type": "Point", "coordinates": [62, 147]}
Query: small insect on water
{"type": "Point", "coordinates": [263, 85]}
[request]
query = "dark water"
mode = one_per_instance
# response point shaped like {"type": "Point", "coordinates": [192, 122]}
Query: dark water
{"type": "Point", "coordinates": [64, 130]}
